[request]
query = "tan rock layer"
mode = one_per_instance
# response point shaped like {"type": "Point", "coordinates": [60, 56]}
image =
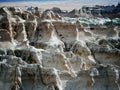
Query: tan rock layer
{"type": "Point", "coordinates": [41, 51]}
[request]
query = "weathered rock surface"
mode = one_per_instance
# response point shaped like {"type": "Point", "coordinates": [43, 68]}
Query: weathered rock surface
{"type": "Point", "coordinates": [44, 51]}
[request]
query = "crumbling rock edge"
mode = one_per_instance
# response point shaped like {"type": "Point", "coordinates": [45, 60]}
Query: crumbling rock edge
{"type": "Point", "coordinates": [42, 51]}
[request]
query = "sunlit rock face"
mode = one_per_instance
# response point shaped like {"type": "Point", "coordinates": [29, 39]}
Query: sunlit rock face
{"type": "Point", "coordinates": [40, 50]}
{"type": "Point", "coordinates": [50, 15]}
{"type": "Point", "coordinates": [71, 31]}
{"type": "Point", "coordinates": [106, 51]}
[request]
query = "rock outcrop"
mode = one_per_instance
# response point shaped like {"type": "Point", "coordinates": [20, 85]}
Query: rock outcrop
{"type": "Point", "coordinates": [41, 50]}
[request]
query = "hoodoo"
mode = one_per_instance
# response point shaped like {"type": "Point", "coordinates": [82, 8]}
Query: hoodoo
{"type": "Point", "coordinates": [42, 50]}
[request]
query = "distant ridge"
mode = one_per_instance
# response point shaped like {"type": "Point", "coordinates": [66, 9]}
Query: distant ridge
{"type": "Point", "coordinates": [27, 0]}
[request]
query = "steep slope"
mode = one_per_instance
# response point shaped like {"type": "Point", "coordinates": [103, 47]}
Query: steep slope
{"type": "Point", "coordinates": [41, 50]}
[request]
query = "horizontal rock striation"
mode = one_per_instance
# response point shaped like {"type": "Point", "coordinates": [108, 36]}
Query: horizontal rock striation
{"type": "Point", "coordinates": [41, 50]}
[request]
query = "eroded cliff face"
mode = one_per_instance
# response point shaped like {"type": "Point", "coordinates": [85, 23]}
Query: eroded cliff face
{"type": "Point", "coordinates": [42, 51]}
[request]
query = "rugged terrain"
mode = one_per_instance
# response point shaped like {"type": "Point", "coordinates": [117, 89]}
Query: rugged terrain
{"type": "Point", "coordinates": [107, 11]}
{"type": "Point", "coordinates": [40, 50]}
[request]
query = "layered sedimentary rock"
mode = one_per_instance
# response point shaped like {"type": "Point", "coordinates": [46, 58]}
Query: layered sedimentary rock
{"type": "Point", "coordinates": [102, 11]}
{"type": "Point", "coordinates": [41, 50]}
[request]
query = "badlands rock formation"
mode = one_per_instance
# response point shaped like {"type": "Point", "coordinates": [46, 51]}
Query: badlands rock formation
{"type": "Point", "coordinates": [41, 50]}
